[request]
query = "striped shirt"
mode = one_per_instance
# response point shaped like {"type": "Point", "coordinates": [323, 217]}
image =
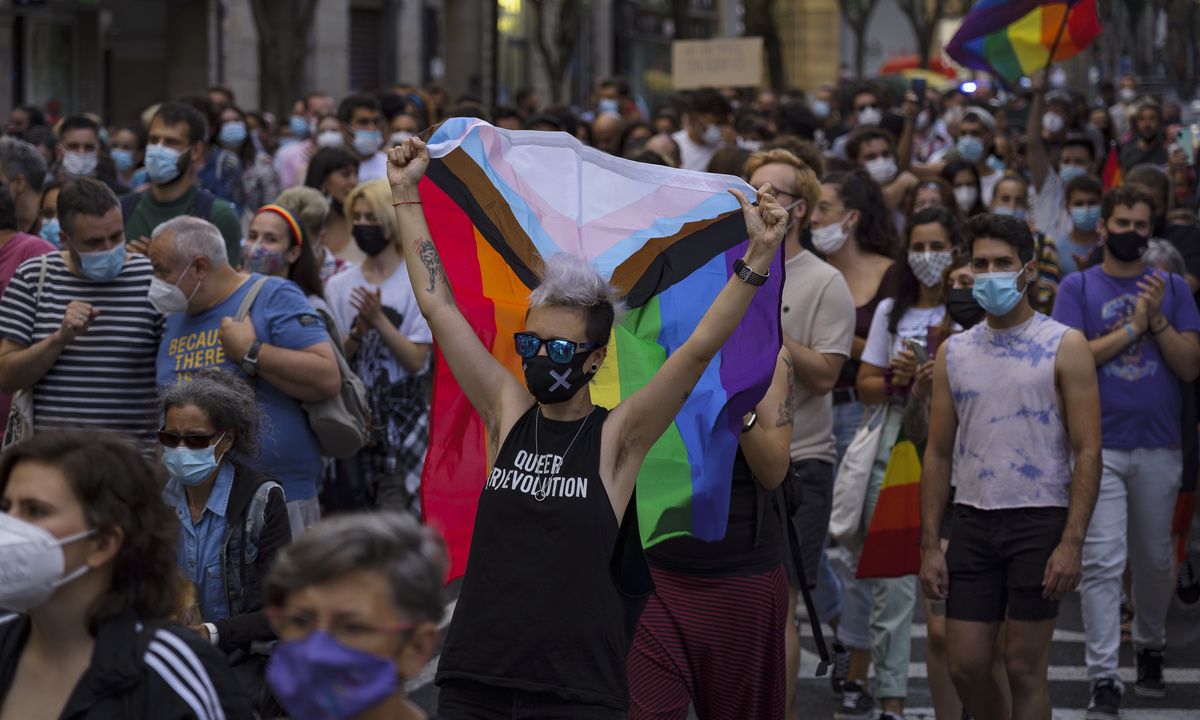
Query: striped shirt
{"type": "Point", "coordinates": [105, 377]}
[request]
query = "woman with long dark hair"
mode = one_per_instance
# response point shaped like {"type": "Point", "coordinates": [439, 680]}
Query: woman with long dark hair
{"type": "Point", "coordinates": [260, 181]}
{"type": "Point", "coordinates": [896, 370]}
{"type": "Point", "coordinates": [89, 552]}
{"type": "Point", "coordinates": [334, 172]}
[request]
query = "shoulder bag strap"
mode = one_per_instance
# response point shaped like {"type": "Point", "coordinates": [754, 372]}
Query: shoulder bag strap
{"type": "Point", "coordinates": [248, 300]}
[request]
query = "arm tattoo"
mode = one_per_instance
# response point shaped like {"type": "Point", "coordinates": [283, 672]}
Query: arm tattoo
{"type": "Point", "coordinates": [787, 409]}
{"type": "Point", "coordinates": [433, 265]}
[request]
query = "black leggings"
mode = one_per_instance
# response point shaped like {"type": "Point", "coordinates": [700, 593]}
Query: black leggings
{"type": "Point", "coordinates": [459, 700]}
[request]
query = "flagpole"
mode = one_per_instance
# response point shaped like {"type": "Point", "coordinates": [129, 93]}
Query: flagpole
{"type": "Point", "coordinates": [1061, 27]}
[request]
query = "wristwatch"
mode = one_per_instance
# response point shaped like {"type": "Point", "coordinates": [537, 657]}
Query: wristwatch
{"type": "Point", "coordinates": [742, 270]}
{"type": "Point", "coordinates": [250, 361]}
{"type": "Point", "coordinates": [214, 637]}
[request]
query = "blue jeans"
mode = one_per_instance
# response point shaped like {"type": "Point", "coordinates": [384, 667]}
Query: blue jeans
{"type": "Point", "coordinates": [833, 594]}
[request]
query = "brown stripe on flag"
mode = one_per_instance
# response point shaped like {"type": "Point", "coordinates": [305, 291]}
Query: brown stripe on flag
{"type": "Point", "coordinates": [662, 262]}
{"type": "Point", "coordinates": [493, 204]}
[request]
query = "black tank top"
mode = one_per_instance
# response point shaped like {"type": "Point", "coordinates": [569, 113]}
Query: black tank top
{"type": "Point", "coordinates": [553, 588]}
{"type": "Point", "coordinates": [752, 542]}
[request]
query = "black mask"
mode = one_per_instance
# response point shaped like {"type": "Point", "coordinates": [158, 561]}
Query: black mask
{"type": "Point", "coordinates": [370, 239]}
{"type": "Point", "coordinates": [552, 383]}
{"type": "Point", "coordinates": [964, 309]}
{"type": "Point", "coordinates": [1127, 246]}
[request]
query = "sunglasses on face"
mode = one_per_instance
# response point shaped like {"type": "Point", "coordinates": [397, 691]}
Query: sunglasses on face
{"type": "Point", "coordinates": [195, 442]}
{"type": "Point", "coordinates": [557, 349]}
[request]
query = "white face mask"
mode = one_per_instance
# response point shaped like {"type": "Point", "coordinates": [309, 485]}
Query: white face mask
{"type": "Point", "coordinates": [830, 238]}
{"type": "Point", "coordinates": [929, 266]}
{"type": "Point", "coordinates": [330, 139]}
{"type": "Point", "coordinates": [1053, 122]}
{"type": "Point", "coordinates": [712, 136]}
{"type": "Point", "coordinates": [965, 196]}
{"type": "Point", "coordinates": [882, 169]}
{"type": "Point", "coordinates": [869, 116]}
{"type": "Point", "coordinates": [32, 565]}
{"type": "Point", "coordinates": [1128, 95]}
{"type": "Point", "coordinates": [399, 137]}
{"type": "Point", "coordinates": [79, 164]}
{"type": "Point", "coordinates": [167, 298]}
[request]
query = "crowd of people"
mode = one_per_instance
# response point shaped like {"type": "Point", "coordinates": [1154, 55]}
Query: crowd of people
{"type": "Point", "coordinates": [191, 300]}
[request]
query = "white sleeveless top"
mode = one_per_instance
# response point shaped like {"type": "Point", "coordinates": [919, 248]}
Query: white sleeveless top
{"type": "Point", "coordinates": [1012, 448]}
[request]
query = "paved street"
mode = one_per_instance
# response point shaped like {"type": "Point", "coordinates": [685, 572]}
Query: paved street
{"type": "Point", "coordinates": [1068, 687]}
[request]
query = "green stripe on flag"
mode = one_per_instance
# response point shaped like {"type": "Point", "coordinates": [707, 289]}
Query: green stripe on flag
{"type": "Point", "coordinates": [664, 487]}
{"type": "Point", "coordinates": [999, 52]}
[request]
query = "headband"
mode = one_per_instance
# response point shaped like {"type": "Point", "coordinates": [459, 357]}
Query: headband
{"type": "Point", "coordinates": [291, 220]}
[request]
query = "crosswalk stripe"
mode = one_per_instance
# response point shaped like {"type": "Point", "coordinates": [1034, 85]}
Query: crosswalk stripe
{"type": "Point", "coordinates": [921, 631]}
{"type": "Point", "coordinates": [1057, 673]}
{"type": "Point", "coordinates": [1065, 714]}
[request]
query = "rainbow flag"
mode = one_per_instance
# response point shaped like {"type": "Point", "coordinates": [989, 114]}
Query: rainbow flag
{"type": "Point", "coordinates": [1112, 176]}
{"type": "Point", "coordinates": [893, 544]}
{"type": "Point", "coordinates": [498, 201]}
{"type": "Point", "coordinates": [1014, 38]}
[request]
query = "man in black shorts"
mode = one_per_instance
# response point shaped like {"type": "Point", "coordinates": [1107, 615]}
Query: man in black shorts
{"type": "Point", "coordinates": [1015, 399]}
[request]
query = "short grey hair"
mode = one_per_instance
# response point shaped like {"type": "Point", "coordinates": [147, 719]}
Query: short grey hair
{"type": "Point", "coordinates": [1163, 255]}
{"type": "Point", "coordinates": [569, 281]}
{"type": "Point", "coordinates": [411, 557]}
{"type": "Point", "coordinates": [193, 237]}
{"type": "Point", "coordinates": [21, 158]}
{"type": "Point", "coordinates": [227, 400]}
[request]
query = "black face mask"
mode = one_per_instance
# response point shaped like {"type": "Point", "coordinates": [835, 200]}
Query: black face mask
{"type": "Point", "coordinates": [370, 239]}
{"type": "Point", "coordinates": [552, 383]}
{"type": "Point", "coordinates": [964, 309]}
{"type": "Point", "coordinates": [1127, 246]}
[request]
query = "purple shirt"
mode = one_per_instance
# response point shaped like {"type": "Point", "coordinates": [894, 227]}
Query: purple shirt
{"type": "Point", "coordinates": [1139, 395]}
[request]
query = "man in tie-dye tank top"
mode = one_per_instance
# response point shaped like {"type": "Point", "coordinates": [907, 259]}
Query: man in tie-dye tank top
{"type": "Point", "coordinates": [1015, 416]}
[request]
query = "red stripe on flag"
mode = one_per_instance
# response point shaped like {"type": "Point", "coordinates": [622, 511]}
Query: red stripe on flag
{"type": "Point", "coordinates": [456, 463]}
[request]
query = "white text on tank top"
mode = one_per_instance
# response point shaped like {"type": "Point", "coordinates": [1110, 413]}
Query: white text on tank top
{"type": "Point", "coordinates": [1012, 448]}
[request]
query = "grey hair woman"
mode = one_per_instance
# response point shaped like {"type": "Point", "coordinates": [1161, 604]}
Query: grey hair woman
{"type": "Point", "coordinates": [1164, 256]}
{"type": "Point", "coordinates": [356, 602]}
{"type": "Point", "coordinates": [232, 518]}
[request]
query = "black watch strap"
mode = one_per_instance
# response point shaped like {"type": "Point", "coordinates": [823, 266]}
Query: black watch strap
{"type": "Point", "coordinates": [744, 271]}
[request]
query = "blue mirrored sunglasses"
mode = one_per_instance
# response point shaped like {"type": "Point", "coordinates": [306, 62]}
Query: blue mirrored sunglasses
{"type": "Point", "coordinates": [557, 349]}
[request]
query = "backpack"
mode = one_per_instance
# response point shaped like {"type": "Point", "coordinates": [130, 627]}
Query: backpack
{"type": "Point", "coordinates": [341, 423]}
{"type": "Point", "coordinates": [202, 208]}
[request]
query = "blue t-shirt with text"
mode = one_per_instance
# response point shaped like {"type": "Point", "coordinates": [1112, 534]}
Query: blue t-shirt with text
{"type": "Point", "coordinates": [282, 317]}
{"type": "Point", "coordinates": [1140, 398]}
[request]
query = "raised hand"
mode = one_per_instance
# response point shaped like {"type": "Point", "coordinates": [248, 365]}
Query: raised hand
{"type": "Point", "coordinates": [766, 224]}
{"type": "Point", "coordinates": [407, 164]}
{"type": "Point", "coordinates": [76, 320]}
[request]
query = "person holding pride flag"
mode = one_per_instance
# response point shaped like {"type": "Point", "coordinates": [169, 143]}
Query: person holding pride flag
{"type": "Point", "coordinates": [545, 617]}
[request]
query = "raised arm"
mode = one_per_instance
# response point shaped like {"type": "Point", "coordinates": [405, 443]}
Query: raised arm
{"type": "Point", "coordinates": [644, 416]}
{"type": "Point", "coordinates": [768, 444]}
{"type": "Point", "coordinates": [1075, 374]}
{"type": "Point", "coordinates": [935, 481]}
{"type": "Point", "coordinates": [496, 395]}
{"type": "Point", "coordinates": [1035, 147]}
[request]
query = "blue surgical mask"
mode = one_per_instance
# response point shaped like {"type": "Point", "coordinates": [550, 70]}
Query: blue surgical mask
{"type": "Point", "coordinates": [162, 164]}
{"type": "Point", "coordinates": [1013, 212]}
{"type": "Point", "coordinates": [49, 232]}
{"type": "Point", "coordinates": [970, 148]}
{"type": "Point", "coordinates": [1070, 172]}
{"type": "Point", "coordinates": [820, 108]}
{"type": "Point", "coordinates": [190, 467]}
{"type": "Point", "coordinates": [997, 293]}
{"type": "Point", "coordinates": [608, 105]}
{"type": "Point", "coordinates": [996, 163]}
{"type": "Point", "coordinates": [299, 126]}
{"type": "Point", "coordinates": [233, 133]}
{"type": "Point", "coordinates": [1086, 219]}
{"type": "Point", "coordinates": [123, 159]}
{"type": "Point", "coordinates": [103, 266]}
{"type": "Point", "coordinates": [367, 142]}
